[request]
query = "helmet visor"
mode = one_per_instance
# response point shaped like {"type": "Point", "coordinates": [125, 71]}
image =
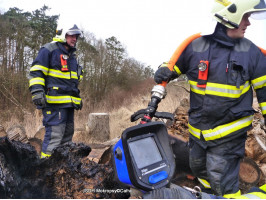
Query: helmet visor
{"type": "Point", "coordinates": [258, 15]}
{"type": "Point", "coordinates": [259, 10]}
{"type": "Point", "coordinates": [74, 32]}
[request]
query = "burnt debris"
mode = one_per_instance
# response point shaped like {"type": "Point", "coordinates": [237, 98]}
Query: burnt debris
{"type": "Point", "coordinates": [68, 173]}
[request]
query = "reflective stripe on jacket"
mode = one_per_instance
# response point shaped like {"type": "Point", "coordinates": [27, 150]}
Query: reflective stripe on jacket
{"type": "Point", "coordinates": [254, 193]}
{"type": "Point", "coordinates": [61, 87]}
{"type": "Point", "coordinates": [223, 109]}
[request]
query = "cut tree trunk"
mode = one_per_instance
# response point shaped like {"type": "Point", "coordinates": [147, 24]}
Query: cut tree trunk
{"type": "Point", "coordinates": [98, 127]}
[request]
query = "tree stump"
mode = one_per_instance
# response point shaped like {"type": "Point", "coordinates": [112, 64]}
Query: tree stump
{"type": "Point", "coordinates": [98, 127]}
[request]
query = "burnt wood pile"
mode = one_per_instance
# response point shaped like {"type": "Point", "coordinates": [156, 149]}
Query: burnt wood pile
{"type": "Point", "coordinates": [68, 173]}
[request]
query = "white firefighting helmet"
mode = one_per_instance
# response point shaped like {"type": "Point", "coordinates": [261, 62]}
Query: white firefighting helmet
{"type": "Point", "coordinates": [231, 12]}
{"type": "Point", "coordinates": [61, 33]}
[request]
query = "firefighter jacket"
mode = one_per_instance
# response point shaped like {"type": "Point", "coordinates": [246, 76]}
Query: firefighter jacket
{"type": "Point", "coordinates": [221, 104]}
{"type": "Point", "coordinates": [56, 72]}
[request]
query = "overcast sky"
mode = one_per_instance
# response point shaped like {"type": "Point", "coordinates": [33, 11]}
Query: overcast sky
{"type": "Point", "coordinates": [150, 30]}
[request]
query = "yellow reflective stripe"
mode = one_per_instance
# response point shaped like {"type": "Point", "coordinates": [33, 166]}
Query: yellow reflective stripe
{"type": "Point", "coordinates": [234, 195]}
{"type": "Point", "coordinates": [218, 89]}
{"type": "Point", "coordinates": [253, 195]}
{"type": "Point", "coordinates": [81, 77]}
{"type": "Point", "coordinates": [263, 187]}
{"type": "Point", "coordinates": [205, 183]}
{"type": "Point", "coordinates": [39, 68]}
{"type": "Point", "coordinates": [58, 74]}
{"type": "Point", "coordinates": [195, 89]}
{"type": "Point", "coordinates": [165, 64]}
{"type": "Point", "coordinates": [76, 100]}
{"type": "Point", "coordinates": [37, 81]}
{"type": "Point", "coordinates": [177, 70]}
{"type": "Point", "coordinates": [263, 108]}
{"type": "Point", "coordinates": [74, 75]}
{"type": "Point", "coordinates": [259, 82]}
{"type": "Point", "coordinates": [44, 155]}
{"type": "Point", "coordinates": [226, 129]}
{"type": "Point", "coordinates": [226, 90]}
{"type": "Point", "coordinates": [194, 131]}
{"type": "Point", "coordinates": [63, 99]}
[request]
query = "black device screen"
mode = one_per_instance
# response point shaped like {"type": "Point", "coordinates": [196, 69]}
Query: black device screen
{"type": "Point", "coordinates": [145, 152]}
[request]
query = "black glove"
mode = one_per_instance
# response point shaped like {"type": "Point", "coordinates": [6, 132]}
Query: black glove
{"type": "Point", "coordinates": [78, 106]}
{"type": "Point", "coordinates": [39, 99]}
{"type": "Point", "coordinates": [164, 74]}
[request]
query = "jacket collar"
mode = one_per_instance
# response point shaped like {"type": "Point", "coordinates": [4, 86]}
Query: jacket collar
{"type": "Point", "coordinates": [62, 47]}
{"type": "Point", "coordinates": [221, 36]}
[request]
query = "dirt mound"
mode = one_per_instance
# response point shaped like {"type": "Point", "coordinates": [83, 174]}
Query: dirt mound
{"type": "Point", "coordinates": [68, 173]}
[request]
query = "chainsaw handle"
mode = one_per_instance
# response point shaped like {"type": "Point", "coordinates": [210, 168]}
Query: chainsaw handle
{"type": "Point", "coordinates": [178, 53]}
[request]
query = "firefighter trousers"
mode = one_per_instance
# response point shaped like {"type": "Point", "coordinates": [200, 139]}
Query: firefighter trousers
{"type": "Point", "coordinates": [59, 128]}
{"type": "Point", "coordinates": [217, 167]}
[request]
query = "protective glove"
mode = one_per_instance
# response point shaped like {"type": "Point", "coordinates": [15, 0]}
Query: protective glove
{"type": "Point", "coordinates": [164, 74]}
{"type": "Point", "coordinates": [39, 99]}
{"type": "Point", "coordinates": [78, 107]}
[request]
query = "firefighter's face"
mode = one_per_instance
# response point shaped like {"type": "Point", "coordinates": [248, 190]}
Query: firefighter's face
{"type": "Point", "coordinates": [71, 40]}
{"type": "Point", "coordinates": [240, 32]}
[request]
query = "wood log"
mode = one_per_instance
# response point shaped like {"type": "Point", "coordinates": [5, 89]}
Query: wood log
{"type": "Point", "coordinates": [98, 127]}
{"type": "Point", "coordinates": [18, 133]}
{"type": "Point", "coordinates": [37, 144]}
{"type": "Point", "coordinates": [101, 153]}
{"type": "Point", "coordinates": [249, 174]}
{"type": "Point", "coordinates": [256, 144]}
{"type": "Point", "coordinates": [40, 133]}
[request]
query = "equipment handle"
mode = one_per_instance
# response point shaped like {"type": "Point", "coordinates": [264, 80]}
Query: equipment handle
{"type": "Point", "coordinates": [178, 53]}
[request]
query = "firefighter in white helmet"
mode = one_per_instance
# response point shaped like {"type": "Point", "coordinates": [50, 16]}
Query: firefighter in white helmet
{"type": "Point", "coordinates": [222, 69]}
{"type": "Point", "coordinates": [54, 80]}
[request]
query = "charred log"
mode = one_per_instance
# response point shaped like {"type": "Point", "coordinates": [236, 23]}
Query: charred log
{"type": "Point", "coordinates": [68, 173]}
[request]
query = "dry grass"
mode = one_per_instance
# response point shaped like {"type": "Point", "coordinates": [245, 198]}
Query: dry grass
{"type": "Point", "coordinates": [120, 118]}
{"type": "Point", "coordinates": [120, 105]}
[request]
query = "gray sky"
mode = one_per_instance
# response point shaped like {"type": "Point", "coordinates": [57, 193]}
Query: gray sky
{"type": "Point", "coordinates": [150, 30]}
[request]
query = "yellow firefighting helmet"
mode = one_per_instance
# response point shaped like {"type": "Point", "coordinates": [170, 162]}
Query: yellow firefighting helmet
{"type": "Point", "coordinates": [61, 33]}
{"type": "Point", "coordinates": [230, 12]}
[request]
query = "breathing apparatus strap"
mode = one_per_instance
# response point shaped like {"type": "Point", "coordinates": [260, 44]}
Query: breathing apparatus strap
{"type": "Point", "coordinates": [263, 51]}
{"type": "Point", "coordinates": [178, 53]}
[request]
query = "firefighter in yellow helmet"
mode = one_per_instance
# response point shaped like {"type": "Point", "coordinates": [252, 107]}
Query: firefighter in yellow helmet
{"type": "Point", "coordinates": [222, 69]}
{"type": "Point", "coordinates": [54, 79]}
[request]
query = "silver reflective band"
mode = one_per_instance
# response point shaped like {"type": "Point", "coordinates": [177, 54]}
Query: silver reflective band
{"type": "Point", "coordinates": [251, 196]}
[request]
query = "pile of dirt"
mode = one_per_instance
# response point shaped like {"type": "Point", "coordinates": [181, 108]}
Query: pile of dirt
{"type": "Point", "coordinates": [68, 173]}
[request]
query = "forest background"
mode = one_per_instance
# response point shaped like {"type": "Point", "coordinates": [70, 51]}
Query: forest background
{"type": "Point", "coordinates": [112, 80]}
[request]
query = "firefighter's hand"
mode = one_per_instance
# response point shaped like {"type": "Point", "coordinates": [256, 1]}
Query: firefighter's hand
{"type": "Point", "coordinates": [163, 74]}
{"type": "Point", "coordinates": [39, 99]}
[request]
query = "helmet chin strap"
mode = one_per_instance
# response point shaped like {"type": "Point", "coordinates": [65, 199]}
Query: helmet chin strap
{"type": "Point", "coordinates": [227, 21]}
